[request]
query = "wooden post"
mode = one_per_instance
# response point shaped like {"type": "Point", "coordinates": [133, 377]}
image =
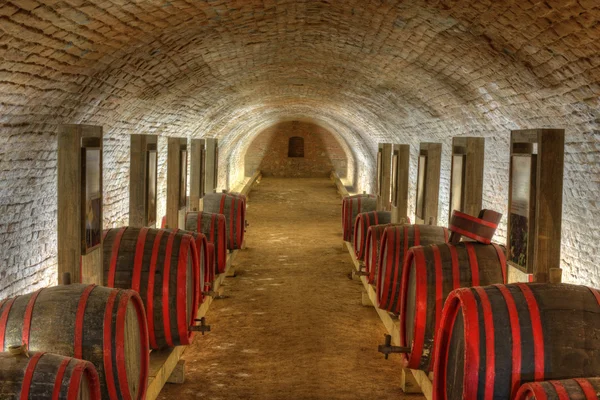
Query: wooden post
{"type": "Point", "coordinates": [79, 219]}
{"type": "Point", "coordinates": [428, 183]}
{"type": "Point", "coordinates": [535, 201]}
{"type": "Point", "coordinates": [466, 177]}
{"type": "Point", "coordinates": [384, 176]}
{"type": "Point", "coordinates": [142, 180]}
{"type": "Point", "coordinates": [400, 179]}
{"type": "Point", "coordinates": [176, 181]}
{"type": "Point", "coordinates": [211, 165]}
{"type": "Point", "coordinates": [196, 173]}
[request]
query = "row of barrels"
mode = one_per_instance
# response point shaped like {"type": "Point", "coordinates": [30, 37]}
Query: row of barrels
{"type": "Point", "coordinates": [155, 281]}
{"type": "Point", "coordinates": [482, 338]}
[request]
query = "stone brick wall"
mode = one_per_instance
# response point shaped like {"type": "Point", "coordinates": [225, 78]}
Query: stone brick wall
{"type": "Point", "coordinates": [399, 71]}
{"type": "Point", "coordinates": [269, 152]}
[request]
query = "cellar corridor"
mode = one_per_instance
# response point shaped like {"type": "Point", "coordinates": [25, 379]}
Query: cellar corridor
{"type": "Point", "coordinates": [293, 326]}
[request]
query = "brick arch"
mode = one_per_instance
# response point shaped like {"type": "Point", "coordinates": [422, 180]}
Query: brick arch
{"type": "Point", "coordinates": [322, 153]}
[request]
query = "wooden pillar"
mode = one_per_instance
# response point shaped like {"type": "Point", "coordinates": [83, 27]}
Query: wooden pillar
{"type": "Point", "coordinates": [79, 219]}
{"type": "Point", "coordinates": [400, 179]}
{"type": "Point", "coordinates": [535, 201]}
{"type": "Point", "coordinates": [143, 180]}
{"type": "Point", "coordinates": [428, 183]}
{"type": "Point", "coordinates": [466, 176]}
{"type": "Point", "coordinates": [196, 173]}
{"type": "Point", "coordinates": [211, 165]}
{"type": "Point", "coordinates": [176, 182]}
{"type": "Point", "coordinates": [384, 176]}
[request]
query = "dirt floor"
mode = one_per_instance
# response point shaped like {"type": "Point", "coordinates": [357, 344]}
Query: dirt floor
{"type": "Point", "coordinates": [293, 326]}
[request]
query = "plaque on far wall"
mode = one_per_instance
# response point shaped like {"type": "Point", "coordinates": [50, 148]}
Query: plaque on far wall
{"type": "Point", "coordinates": [91, 198]}
{"type": "Point", "coordinates": [151, 187]}
{"type": "Point", "coordinates": [420, 211]}
{"type": "Point", "coordinates": [183, 179]}
{"type": "Point", "coordinates": [458, 172]}
{"type": "Point", "coordinates": [520, 210]}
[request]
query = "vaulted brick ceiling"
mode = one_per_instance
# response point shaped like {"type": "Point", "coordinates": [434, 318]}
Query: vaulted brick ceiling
{"type": "Point", "coordinates": [372, 70]}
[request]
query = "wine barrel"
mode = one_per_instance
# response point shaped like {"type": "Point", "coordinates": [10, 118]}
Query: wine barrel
{"type": "Point", "coordinates": [372, 249]}
{"type": "Point", "coordinates": [430, 274]}
{"type": "Point", "coordinates": [214, 227]}
{"type": "Point", "coordinates": [362, 224]}
{"type": "Point", "coordinates": [516, 334]}
{"type": "Point", "coordinates": [47, 376]}
{"type": "Point", "coordinates": [567, 389]}
{"type": "Point", "coordinates": [351, 207]}
{"type": "Point", "coordinates": [162, 266]}
{"type": "Point", "coordinates": [233, 207]}
{"type": "Point", "coordinates": [472, 227]}
{"type": "Point", "coordinates": [206, 274]}
{"type": "Point", "coordinates": [104, 326]}
{"type": "Point", "coordinates": [395, 242]}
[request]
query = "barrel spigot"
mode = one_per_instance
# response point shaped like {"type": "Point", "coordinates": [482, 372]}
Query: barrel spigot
{"type": "Point", "coordinates": [388, 349]}
{"type": "Point", "coordinates": [200, 328]}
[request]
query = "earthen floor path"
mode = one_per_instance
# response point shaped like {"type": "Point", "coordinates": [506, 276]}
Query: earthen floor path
{"type": "Point", "coordinates": [293, 326]}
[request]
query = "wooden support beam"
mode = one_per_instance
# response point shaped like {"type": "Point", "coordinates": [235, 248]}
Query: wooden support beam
{"type": "Point", "coordinates": [466, 176]}
{"type": "Point", "coordinates": [535, 201]}
{"type": "Point", "coordinates": [428, 183]}
{"type": "Point", "coordinates": [79, 219]}
{"type": "Point", "coordinates": [176, 181]}
{"type": "Point", "coordinates": [341, 189]}
{"type": "Point", "coordinates": [143, 169]}
{"type": "Point", "coordinates": [384, 176]}
{"type": "Point", "coordinates": [211, 165]}
{"type": "Point", "coordinates": [400, 181]}
{"type": "Point", "coordinates": [197, 173]}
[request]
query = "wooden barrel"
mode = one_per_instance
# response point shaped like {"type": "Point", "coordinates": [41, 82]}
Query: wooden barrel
{"type": "Point", "coordinates": [430, 274]}
{"type": "Point", "coordinates": [233, 207]}
{"type": "Point", "coordinates": [351, 207]}
{"type": "Point", "coordinates": [567, 389]}
{"type": "Point", "coordinates": [395, 242]}
{"type": "Point", "coordinates": [47, 376]}
{"type": "Point", "coordinates": [472, 227]}
{"type": "Point", "coordinates": [493, 339]}
{"type": "Point", "coordinates": [362, 224]}
{"type": "Point", "coordinates": [214, 227]}
{"type": "Point", "coordinates": [372, 249]}
{"type": "Point", "coordinates": [206, 274]}
{"type": "Point", "coordinates": [104, 326]}
{"type": "Point", "coordinates": [162, 266]}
